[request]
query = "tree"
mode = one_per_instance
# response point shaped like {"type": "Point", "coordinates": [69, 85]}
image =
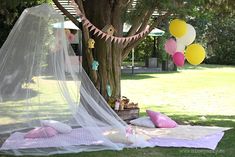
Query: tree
{"type": "Point", "coordinates": [218, 33]}
{"type": "Point", "coordinates": [110, 55]}
{"type": "Point", "coordinates": [116, 12]}
{"type": "Point", "coordinates": [9, 13]}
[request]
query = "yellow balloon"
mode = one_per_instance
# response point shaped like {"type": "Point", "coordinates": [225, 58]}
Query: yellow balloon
{"type": "Point", "coordinates": [195, 54]}
{"type": "Point", "coordinates": [178, 28]}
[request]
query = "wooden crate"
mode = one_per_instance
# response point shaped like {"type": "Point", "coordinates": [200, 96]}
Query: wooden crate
{"type": "Point", "coordinates": [128, 114]}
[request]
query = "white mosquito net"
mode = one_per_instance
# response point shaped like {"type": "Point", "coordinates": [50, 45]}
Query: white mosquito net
{"type": "Point", "coordinates": [40, 88]}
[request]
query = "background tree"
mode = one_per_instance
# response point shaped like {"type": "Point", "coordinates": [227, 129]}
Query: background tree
{"type": "Point", "coordinates": [215, 24]}
{"type": "Point", "coordinates": [9, 13]}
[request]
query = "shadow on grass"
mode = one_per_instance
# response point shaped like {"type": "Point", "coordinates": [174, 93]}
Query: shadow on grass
{"type": "Point", "coordinates": [136, 76]}
{"type": "Point", "coordinates": [209, 120]}
{"type": "Point", "coordinates": [225, 147]}
{"type": "Point", "coordinates": [142, 76]}
{"type": "Point", "coordinates": [20, 95]}
{"type": "Point", "coordinates": [21, 115]}
{"type": "Point", "coordinates": [205, 66]}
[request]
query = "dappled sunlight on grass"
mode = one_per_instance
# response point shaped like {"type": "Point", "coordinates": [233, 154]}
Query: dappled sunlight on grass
{"type": "Point", "coordinates": [209, 91]}
{"type": "Point", "coordinates": [202, 95]}
{"type": "Point", "coordinates": [47, 102]}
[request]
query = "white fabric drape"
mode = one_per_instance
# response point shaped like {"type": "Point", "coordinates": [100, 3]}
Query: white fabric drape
{"type": "Point", "coordinates": [37, 82]}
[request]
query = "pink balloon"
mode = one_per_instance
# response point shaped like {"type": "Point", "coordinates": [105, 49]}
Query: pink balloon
{"type": "Point", "coordinates": [170, 46]}
{"type": "Point", "coordinates": [178, 59]}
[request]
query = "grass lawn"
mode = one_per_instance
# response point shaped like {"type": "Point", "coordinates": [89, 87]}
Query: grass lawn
{"type": "Point", "coordinates": [202, 95]}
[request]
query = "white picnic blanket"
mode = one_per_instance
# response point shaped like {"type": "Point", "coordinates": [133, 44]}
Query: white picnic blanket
{"type": "Point", "coordinates": [196, 135]}
{"type": "Point", "coordinates": [186, 132]}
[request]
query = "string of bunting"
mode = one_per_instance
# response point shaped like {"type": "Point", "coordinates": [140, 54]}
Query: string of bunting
{"type": "Point", "coordinates": [103, 35]}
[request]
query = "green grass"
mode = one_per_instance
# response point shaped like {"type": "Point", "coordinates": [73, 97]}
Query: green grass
{"type": "Point", "coordinates": [202, 95]}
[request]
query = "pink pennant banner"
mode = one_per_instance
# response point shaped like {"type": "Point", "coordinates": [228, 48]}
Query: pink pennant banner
{"type": "Point", "coordinates": [101, 34]}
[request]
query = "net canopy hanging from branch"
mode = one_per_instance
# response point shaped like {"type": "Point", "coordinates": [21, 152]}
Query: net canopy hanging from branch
{"type": "Point", "coordinates": [39, 88]}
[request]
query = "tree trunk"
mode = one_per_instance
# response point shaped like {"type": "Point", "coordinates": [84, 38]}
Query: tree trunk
{"type": "Point", "coordinates": [109, 55]}
{"type": "Point", "coordinates": [106, 53]}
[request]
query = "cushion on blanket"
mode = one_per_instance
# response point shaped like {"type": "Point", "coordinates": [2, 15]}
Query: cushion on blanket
{"type": "Point", "coordinates": [59, 126]}
{"type": "Point", "coordinates": [117, 136]}
{"type": "Point", "coordinates": [143, 121]}
{"type": "Point", "coordinates": [160, 120]}
{"type": "Point", "coordinates": [41, 132]}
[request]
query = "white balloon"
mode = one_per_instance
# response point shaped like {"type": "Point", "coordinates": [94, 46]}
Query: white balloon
{"type": "Point", "coordinates": [189, 37]}
{"type": "Point", "coordinates": [179, 46]}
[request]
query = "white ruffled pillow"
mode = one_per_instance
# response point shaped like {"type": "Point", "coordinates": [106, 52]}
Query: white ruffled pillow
{"type": "Point", "coordinates": [59, 126]}
{"type": "Point", "coordinates": [143, 121]}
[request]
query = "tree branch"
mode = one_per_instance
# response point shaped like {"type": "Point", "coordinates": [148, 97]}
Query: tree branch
{"type": "Point", "coordinates": [159, 20]}
{"type": "Point", "coordinates": [66, 13]}
{"type": "Point", "coordinates": [89, 55]}
{"type": "Point", "coordinates": [86, 36]}
{"type": "Point", "coordinates": [136, 24]}
{"type": "Point", "coordinates": [129, 47]}
{"type": "Point", "coordinates": [146, 20]}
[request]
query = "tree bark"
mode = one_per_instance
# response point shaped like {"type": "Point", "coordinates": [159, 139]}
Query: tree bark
{"type": "Point", "coordinates": [106, 53]}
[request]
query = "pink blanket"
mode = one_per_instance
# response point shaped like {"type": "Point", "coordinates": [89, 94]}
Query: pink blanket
{"type": "Point", "coordinates": [81, 136]}
{"type": "Point", "coordinates": [78, 136]}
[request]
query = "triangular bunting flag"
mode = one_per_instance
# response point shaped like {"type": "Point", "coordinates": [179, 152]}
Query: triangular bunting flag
{"type": "Point", "coordinates": [125, 39]}
{"type": "Point", "coordinates": [115, 39]}
{"type": "Point", "coordinates": [78, 12]}
{"type": "Point", "coordinates": [119, 40]}
{"type": "Point", "coordinates": [122, 40]}
{"type": "Point", "coordinates": [100, 32]}
{"type": "Point", "coordinates": [147, 27]}
{"type": "Point", "coordinates": [112, 37]}
{"type": "Point", "coordinates": [83, 18]}
{"type": "Point", "coordinates": [107, 37]}
{"type": "Point", "coordinates": [89, 25]}
{"type": "Point", "coordinates": [72, 2]}
{"type": "Point", "coordinates": [103, 35]}
{"type": "Point", "coordinates": [96, 31]}
{"type": "Point", "coordinates": [86, 22]}
{"type": "Point", "coordinates": [93, 27]}
{"type": "Point", "coordinates": [132, 38]}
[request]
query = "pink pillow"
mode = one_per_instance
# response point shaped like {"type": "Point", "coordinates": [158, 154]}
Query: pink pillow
{"type": "Point", "coordinates": [41, 132]}
{"type": "Point", "coordinates": [161, 120]}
